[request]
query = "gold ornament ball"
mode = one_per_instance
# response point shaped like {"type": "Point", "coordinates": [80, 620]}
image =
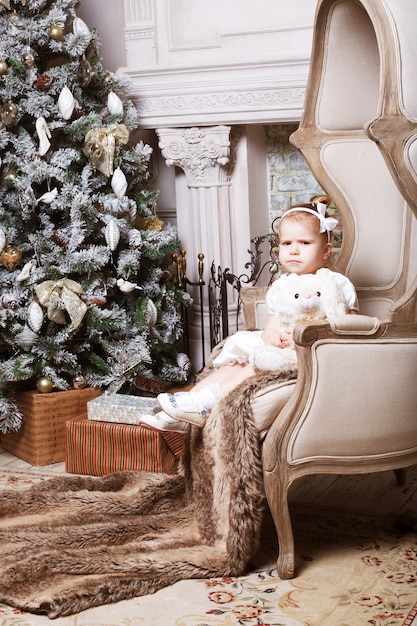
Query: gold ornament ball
{"type": "Point", "coordinates": [44, 385]}
{"type": "Point", "coordinates": [8, 113]}
{"type": "Point", "coordinates": [56, 32]}
{"type": "Point", "coordinates": [3, 67]}
{"type": "Point", "coordinates": [79, 382]}
{"type": "Point", "coordinates": [10, 257]}
{"type": "Point", "coordinates": [9, 179]}
{"type": "Point", "coordinates": [28, 59]}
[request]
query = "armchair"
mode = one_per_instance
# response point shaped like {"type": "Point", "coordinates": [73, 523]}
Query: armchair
{"type": "Point", "coordinates": [353, 408]}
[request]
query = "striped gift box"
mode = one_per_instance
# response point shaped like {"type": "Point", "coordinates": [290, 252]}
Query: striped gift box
{"type": "Point", "coordinates": [99, 448]}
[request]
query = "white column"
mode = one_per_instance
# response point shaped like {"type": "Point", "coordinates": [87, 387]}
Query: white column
{"type": "Point", "coordinates": [221, 200]}
{"type": "Point", "coordinates": [203, 207]}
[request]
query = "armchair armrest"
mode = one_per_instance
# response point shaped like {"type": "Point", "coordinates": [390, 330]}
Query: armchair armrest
{"type": "Point", "coordinates": [344, 326]}
{"type": "Point", "coordinates": [356, 324]}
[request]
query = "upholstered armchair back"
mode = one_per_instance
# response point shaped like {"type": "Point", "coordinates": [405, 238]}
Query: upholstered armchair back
{"type": "Point", "coordinates": [353, 85]}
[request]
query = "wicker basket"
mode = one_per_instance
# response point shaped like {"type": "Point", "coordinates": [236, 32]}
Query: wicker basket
{"type": "Point", "coordinates": [41, 440]}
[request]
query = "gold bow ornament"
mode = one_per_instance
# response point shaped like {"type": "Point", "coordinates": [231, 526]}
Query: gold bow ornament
{"type": "Point", "coordinates": [60, 296]}
{"type": "Point", "coordinates": [100, 146]}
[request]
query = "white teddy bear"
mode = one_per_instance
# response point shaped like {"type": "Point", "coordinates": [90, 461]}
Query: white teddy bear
{"type": "Point", "coordinates": [299, 298]}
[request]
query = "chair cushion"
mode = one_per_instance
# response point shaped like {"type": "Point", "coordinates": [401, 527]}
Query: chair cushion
{"type": "Point", "coordinates": [268, 402]}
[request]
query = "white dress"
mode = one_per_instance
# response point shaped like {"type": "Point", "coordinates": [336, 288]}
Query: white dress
{"type": "Point", "coordinates": [239, 347]}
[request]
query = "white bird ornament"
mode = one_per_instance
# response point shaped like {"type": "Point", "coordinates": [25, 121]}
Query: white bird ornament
{"type": "Point", "coordinates": [48, 197]}
{"type": "Point", "coordinates": [26, 271]}
{"type": "Point", "coordinates": [126, 286]}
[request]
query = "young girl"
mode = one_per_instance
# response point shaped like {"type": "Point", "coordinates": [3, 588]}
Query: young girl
{"type": "Point", "coordinates": [304, 248]}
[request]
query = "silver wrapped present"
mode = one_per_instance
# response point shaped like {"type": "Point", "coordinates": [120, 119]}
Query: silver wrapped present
{"type": "Point", "coordinates": [120, 408]}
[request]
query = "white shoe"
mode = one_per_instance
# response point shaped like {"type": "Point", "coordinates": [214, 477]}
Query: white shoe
{"type": "Point", "coordinates": [162, 421]}
{"type": "Point", "coordinates": [186, 406]}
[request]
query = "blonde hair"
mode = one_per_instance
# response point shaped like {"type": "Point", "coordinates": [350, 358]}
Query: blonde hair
{"type": "Point", "coordinates": [301, 215]}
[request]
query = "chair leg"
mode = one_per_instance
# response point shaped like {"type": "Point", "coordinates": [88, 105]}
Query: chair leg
{"type": "Point", "coordinates": [277, 496]}
{"type": "Point", "coordinates": [401, 475]}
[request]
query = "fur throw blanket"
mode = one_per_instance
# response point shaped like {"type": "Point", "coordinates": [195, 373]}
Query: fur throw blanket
{"type": "Point", "coordinates": [71, 542]}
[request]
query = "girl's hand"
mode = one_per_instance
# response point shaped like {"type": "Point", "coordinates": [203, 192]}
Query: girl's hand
{"type": "Point", "coordinates": [286, 338]}
{"type": "Point", "coordinates": [272, 337]}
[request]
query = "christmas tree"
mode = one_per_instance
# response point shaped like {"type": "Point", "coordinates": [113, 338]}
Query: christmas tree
{"type": "Point", "coordinates": [88, 295]}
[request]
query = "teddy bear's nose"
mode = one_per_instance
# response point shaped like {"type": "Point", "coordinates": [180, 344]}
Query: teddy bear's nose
{"type": "Point", "coordinates": [307, 296]}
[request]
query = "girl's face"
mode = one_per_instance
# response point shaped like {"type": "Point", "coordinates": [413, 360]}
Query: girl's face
{"type": "Point", "coordinates": [302, 248]}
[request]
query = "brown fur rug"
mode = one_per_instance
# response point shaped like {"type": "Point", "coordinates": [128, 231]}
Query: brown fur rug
{"type": "Point", "coordinates": [71, 543]}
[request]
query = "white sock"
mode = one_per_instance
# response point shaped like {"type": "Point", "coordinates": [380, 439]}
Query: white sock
{"type": "Point", "coordinates": [209, 395]}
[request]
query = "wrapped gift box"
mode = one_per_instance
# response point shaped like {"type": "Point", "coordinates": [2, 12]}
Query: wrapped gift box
{"type": "Point", "coordinates": [120, 408]}
{"type": "Point", "coordinates": [100, 448]}
{"type": "Point", "coordinates": [41, 439]}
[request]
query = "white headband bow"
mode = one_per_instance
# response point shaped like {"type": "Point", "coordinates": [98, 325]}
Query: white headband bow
{"type": "Point", "coordinates": [326, 223]}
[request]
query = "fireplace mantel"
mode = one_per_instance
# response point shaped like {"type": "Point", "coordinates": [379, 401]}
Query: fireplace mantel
{"type": "Point", "coordinates": [189, 96]}
{"type": "Point", "coordinates": [241, 62]}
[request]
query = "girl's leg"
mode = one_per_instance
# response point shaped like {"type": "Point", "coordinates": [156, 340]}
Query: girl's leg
{"type": "Point", "coordinates": [192, 407]}
{"type": "Point", "coordinates": [227, 377]}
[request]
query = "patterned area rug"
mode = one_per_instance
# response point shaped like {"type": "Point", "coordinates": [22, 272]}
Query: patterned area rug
{"type": "Point", "coordinates": [352, 570]}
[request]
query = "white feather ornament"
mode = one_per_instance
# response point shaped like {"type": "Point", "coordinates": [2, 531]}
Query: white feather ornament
{"type": "Point", "coordinates": [66, 103]}
{"type": "Point", "coordinates": [79, 27]}
{"type": "Point", "coordinates": [119, 183]}
{"type": "Point", "coordinates": [112, 234]}
{"type": "Point", "coordinates": [35, 316]}
{"type": "Point", "coordinates": [2, 239]}
{"type": "Point", "coordinates": [114, 104]}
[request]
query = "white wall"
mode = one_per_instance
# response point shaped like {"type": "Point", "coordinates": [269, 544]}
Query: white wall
{"type": "Point", "coordinates": [108, 18]}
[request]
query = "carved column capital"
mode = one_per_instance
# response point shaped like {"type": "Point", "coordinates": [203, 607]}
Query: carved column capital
{"type": "Point", "coordinates": [202, 153]}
